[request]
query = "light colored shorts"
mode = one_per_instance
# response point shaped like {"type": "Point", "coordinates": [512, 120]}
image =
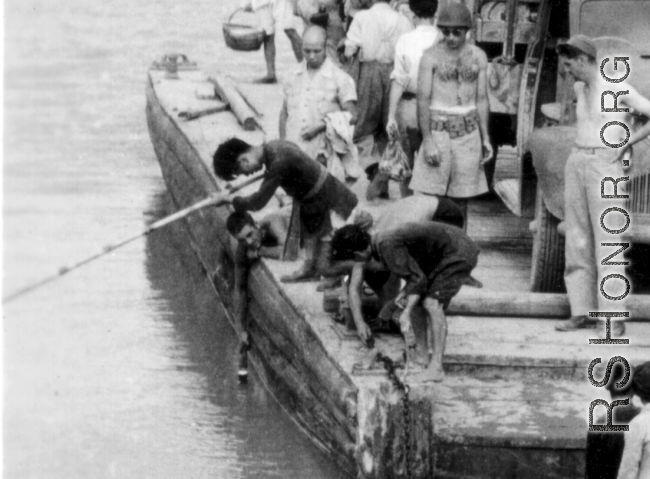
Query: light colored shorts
{"type": "Point", "coordinates": [460, 173]}
{"type": "Point", "coordinates": [265, 16]}
{"type": "Point", "coordinates": [279, 13]}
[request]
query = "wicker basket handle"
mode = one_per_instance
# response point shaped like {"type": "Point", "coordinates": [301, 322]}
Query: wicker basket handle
{"type": "Point", "coordinates": [234, 13]}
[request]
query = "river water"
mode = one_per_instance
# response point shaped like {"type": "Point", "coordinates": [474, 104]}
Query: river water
{"type": "Point", "coordinates": [123, 368]}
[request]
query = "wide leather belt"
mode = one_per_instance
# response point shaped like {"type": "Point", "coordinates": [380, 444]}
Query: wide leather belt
{"type": "Point", "coordinates": [407, 95]}
{"type": "Point", "coordinates": [455, 125]}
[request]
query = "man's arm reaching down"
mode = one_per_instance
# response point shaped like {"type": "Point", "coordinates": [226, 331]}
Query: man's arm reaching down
{"type": "Point", "coordinates": [355, 298]}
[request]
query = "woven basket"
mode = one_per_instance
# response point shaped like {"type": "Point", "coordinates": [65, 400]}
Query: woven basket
{"type": "Point", "coordinates": [244, 38]}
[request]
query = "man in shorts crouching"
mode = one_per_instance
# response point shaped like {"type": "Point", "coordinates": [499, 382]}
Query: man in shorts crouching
{"type": "Point", "coordinates": [434, 259]}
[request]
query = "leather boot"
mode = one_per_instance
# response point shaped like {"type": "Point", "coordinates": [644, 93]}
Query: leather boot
{"type": "Point", "coordinates": [306, 273]}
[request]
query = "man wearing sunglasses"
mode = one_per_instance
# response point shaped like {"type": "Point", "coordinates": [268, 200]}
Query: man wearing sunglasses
{"type": "Point", "coordinates": [452, 113]}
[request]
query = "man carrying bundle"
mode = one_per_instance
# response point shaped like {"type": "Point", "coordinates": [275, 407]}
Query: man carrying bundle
{"type": "Point", "coordinates": [315, 192]}
{"type": "Point", "coordinates": [316, 92]}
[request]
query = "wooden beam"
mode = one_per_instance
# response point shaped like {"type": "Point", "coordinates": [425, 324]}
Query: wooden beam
{"type": "Point", "coordinates": [480, 302]}
{"type": "Point", "coordinates": [228, 93]}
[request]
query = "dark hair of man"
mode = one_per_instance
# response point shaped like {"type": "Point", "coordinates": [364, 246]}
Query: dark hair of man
{"type": "Point", "coordinates": [572, 52]}
{"type": "Point", "coordinates": [641, 381]}
{"type": "Point", "coordinates": [224, 160]}
{"type": "Point", "coordinates": [618, 373]}
{"type": "Point", "coordinates": [347, 241]}
{"type": "Point", "coordinates": [237, 220]}
{"type": "Point", "coordinates": [424, 8]}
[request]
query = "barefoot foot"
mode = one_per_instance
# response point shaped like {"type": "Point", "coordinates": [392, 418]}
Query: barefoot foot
{"type": "Point", "coordinates": [434, 373]}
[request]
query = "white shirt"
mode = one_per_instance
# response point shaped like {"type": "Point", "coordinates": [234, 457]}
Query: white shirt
{"type": "Point", "coordinates": [408, 53]}
{"type": "Point", "coordinates": [635, 463]}
{"type": "Point", "coordinates": [310, 98]}
{"type": "Point", "coordinates": [375, 31]}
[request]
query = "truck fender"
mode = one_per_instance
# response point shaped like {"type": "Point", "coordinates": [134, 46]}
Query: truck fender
{"type": "Point", "coordinates": [550, 148]}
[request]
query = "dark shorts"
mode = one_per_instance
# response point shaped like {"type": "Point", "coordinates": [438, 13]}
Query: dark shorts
{"type": "Point", "coordinates": [315, 212]}
{"type": "Point", "coordinates": [448, 212]}
{"type": "Point", "coordinates": [445, 284]}
{"type": "Point", "coordinates": [376, 279]}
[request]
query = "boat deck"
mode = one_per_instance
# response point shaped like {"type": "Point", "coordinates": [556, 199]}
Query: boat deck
{"type": "Point", "coordinates": [511, 381]}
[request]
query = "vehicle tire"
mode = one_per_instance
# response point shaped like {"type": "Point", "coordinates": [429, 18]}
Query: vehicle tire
{"type": "Point", "coordinates": [547, 272]}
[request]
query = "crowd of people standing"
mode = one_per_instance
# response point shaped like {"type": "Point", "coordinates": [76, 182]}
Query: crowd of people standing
{"type": "Point", "coordinates": [377, 73]}
{"type": "Point", "coordinates": [326, 114]}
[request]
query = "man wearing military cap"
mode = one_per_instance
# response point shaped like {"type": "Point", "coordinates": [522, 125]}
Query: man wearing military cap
{"type": "Point", "coordinates": [453, 113]}
{"type": "Point", "coordinates": [590, 162]}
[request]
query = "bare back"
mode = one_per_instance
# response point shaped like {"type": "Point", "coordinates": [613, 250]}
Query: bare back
{"type": "Point", "coordinates": [407, 210]}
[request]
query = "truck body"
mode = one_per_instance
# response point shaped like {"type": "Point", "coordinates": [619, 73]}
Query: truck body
{"type": "Point", "coordinates": [532, 110]}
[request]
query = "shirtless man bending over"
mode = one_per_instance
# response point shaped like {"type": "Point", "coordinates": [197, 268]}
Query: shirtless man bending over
{"type": "Point", "coordinates": [452, 113]}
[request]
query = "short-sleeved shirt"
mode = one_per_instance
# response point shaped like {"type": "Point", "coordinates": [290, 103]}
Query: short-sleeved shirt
{"type": "Point", "coordinates": [408, 53]}
{"type": "Point", "coordinates": [635, 463]}
{"type": "Point", "coordinates": [310, 98]}
{"type": "Point", "coordinates": [288, 167]}
{"type": "Point", "coordinates": [418, 252]}
{"type": "Point", "coordinates": [352, 7]}
{"type": "Point", "coordinates": [375, 31]}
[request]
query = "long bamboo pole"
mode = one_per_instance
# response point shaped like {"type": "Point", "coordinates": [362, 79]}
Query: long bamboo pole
{"type": "Point", "coordinates": [213, 200]}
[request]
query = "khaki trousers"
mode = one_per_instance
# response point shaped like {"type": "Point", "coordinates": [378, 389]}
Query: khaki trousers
{"type": "Point", "coordinates": [584, 171]}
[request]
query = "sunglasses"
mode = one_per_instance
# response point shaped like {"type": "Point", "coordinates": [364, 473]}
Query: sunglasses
{"type": "Point", "coordinates": [457, 32]}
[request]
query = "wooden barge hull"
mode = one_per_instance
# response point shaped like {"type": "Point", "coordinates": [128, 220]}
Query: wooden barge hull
{"type": "Point", "coordinates": [497, 414]}
{"type": "Point", "coordinates": [287, 354]}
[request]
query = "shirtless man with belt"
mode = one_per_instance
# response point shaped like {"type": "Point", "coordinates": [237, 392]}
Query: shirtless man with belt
{"type": "Point", "coordinates": [452, 113]}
